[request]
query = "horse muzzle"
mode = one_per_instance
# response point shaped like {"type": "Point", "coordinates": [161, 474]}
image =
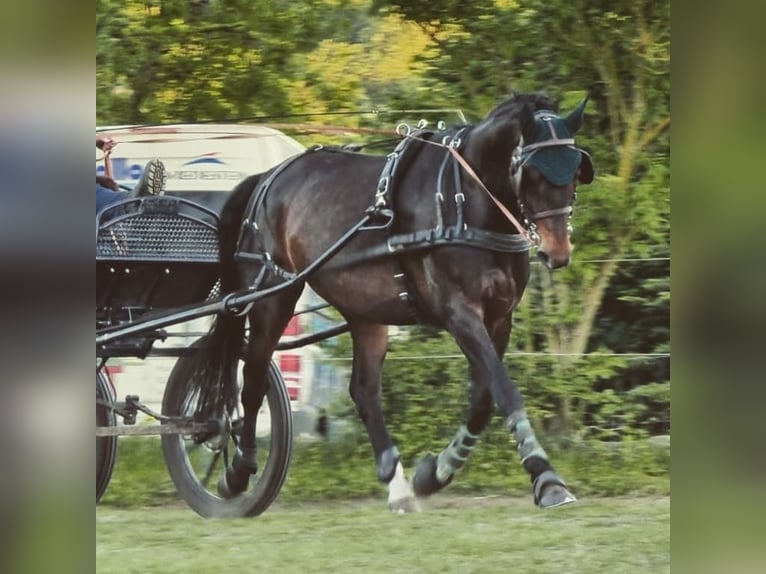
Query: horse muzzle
{"type": "Point", "coordinates": [553, 262]}
{"type": "Point", "coordinates": [554, 252]}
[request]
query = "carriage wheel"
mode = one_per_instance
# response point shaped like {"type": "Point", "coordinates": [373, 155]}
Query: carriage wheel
{"type": "Point", "coordinates": [195, 468]}
{"type": "Point", "coordinates": [106, 446]}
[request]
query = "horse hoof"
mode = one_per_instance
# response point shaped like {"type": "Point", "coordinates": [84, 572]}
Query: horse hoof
{"type": "Point", "coordinates": [551, 491]}
{"type": "Point", "coordinates": [407, 505]}
{"type": "Point", "coordinates": [555, 495]}
{"type": "Point", "coordinates": [424, 481]}
{"type": "Point", "coordinates": [223, 488]}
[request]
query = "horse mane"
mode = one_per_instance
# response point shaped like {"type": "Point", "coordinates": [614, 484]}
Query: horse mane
{"type": "Point", "coordinates": [537, 101]}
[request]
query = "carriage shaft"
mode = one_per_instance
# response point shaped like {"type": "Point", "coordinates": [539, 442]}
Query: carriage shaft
{"type": "Point", "coordinates": [143, 430]}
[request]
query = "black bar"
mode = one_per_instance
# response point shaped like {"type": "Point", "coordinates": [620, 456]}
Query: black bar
{"type": "Point", "coordinates": [309, 339]}
{"type": "Point", "coordinates": [312, 309]}
{"type": "Point", "coordinates": [160, 320]}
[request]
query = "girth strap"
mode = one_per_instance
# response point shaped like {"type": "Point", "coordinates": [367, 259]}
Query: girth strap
{"type": "Point", "coordinates": [466, 235]}
{"type": "Point", "coordinates": [249, 230]}
{"type": "Point", "coordinates": [431, 238]}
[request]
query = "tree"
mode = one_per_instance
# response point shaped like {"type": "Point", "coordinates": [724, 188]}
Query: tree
{"type": "Point", "coordinates": [618, 53]}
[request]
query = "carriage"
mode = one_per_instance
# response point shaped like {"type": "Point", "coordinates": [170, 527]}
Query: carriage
{"type": "Point", "coordinates": [162, 254]}
{"type": "Point", "coordinates": [438, 232]}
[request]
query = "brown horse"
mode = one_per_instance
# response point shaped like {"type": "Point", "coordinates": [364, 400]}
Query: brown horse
{"type": "Point", "coordinates": [455, 213]}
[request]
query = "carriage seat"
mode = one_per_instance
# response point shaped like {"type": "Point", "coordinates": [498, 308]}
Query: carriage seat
{"type": "Point", "coordinates": [153, 253]}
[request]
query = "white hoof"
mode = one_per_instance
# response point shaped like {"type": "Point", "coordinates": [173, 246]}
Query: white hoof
{"type": "Point", "coordinates": [406, 505]}
{"type": "Point", "coordinates": [401, 497]}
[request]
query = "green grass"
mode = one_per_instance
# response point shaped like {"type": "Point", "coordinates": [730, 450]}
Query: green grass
{"type": "Point", "coordinates": [451, 535]}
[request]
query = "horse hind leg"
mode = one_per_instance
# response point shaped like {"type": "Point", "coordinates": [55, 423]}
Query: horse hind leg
{"type": "Point", "coordinates": [370, 342]}
{"type": "Point", "coordinates": [267, 320]}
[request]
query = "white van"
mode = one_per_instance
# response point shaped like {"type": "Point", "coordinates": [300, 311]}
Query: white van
{"type": "Point", "coordinates": [202, 160]}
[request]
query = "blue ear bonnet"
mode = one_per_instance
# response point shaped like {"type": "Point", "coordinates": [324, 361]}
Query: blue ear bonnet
{"type": "Point", "coordinates": [553, 151]}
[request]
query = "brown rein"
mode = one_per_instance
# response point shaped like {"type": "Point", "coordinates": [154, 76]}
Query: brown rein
{"type": "Point", "coordinates": [470, 171]}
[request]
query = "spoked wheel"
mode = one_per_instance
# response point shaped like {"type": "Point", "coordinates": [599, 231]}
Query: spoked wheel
{"type": "Point", "coordinates": [196, 466]}
{"type": "Point", "coordinates": [106, 446]}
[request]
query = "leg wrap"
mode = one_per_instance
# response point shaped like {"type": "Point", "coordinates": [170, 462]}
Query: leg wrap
{"type": "Point", "coordinates": [452, 458]}
{"type": "Point", "coordinates": [526, 441]}
{"type": "Point", "coordinates": [389, 458]}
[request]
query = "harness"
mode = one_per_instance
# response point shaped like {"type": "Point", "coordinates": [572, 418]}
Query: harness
{"type": "Point", "coordinates": [459, 233]}
{"type": "Point", "coordinates": [442, 234]}
{"type": "Point", "coordinates": [567, 158]}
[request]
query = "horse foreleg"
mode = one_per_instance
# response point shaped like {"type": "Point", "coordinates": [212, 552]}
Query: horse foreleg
{"type": "Point", "coordinates": [434, 472]}
{"type": "Point", "coordinates": [370, 342]}
{"type": "Point", "coordinates": [484, 355]}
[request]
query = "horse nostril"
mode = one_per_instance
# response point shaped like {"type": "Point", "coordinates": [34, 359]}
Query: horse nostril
{"type": "Point", "coordinates": [552, 263]}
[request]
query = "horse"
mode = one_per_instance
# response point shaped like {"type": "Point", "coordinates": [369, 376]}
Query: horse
{"type": "Point", "coordinates": [452, 216]}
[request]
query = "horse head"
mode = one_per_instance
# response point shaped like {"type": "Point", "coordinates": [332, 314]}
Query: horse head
{"type": "Point", "coordinates": [544, 167]}
{"type": "Point", "coordinates": [545, 170]}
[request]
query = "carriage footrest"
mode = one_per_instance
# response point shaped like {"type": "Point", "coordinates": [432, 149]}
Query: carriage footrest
{"type": "Point", "coordinates": [136, 346]}
{"type": "Point", "coordinates": [130, 408]}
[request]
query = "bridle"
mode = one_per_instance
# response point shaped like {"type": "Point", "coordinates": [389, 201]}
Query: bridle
{"type": "Point", "coordinates": [521, 155]}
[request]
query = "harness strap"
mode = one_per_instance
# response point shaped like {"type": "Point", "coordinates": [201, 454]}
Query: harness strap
{"type": "Point", "coordinates": [383, 193]}
{"type": "Point", "coordinates": [466, 235]}
{"type": "Point", "coordinates": [256, 199]}
{"type": "Point", "coordinates": [431, 238]}
{"type": "Point", "coordinates": [469, 170]}
{"type": "Point", "coordinates": [551, 213]}
{"type": "Point", "coordinates": [250, 226]}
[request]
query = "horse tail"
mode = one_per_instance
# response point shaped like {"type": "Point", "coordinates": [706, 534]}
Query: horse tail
{"type": "Point", "coordinates": [218, 353]}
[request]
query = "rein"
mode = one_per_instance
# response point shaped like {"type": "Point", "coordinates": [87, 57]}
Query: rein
{"type": "Point", "coordinates": [469, 170]}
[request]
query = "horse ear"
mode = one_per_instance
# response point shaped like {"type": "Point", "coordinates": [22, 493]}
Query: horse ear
{"type": "Point", "coordinates": [574, 120]}
{"type": "Point", "coordinates": [586, 168]}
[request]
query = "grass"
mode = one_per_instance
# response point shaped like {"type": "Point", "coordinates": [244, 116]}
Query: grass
{"type": "Point", "coordinates": [451, 535]}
